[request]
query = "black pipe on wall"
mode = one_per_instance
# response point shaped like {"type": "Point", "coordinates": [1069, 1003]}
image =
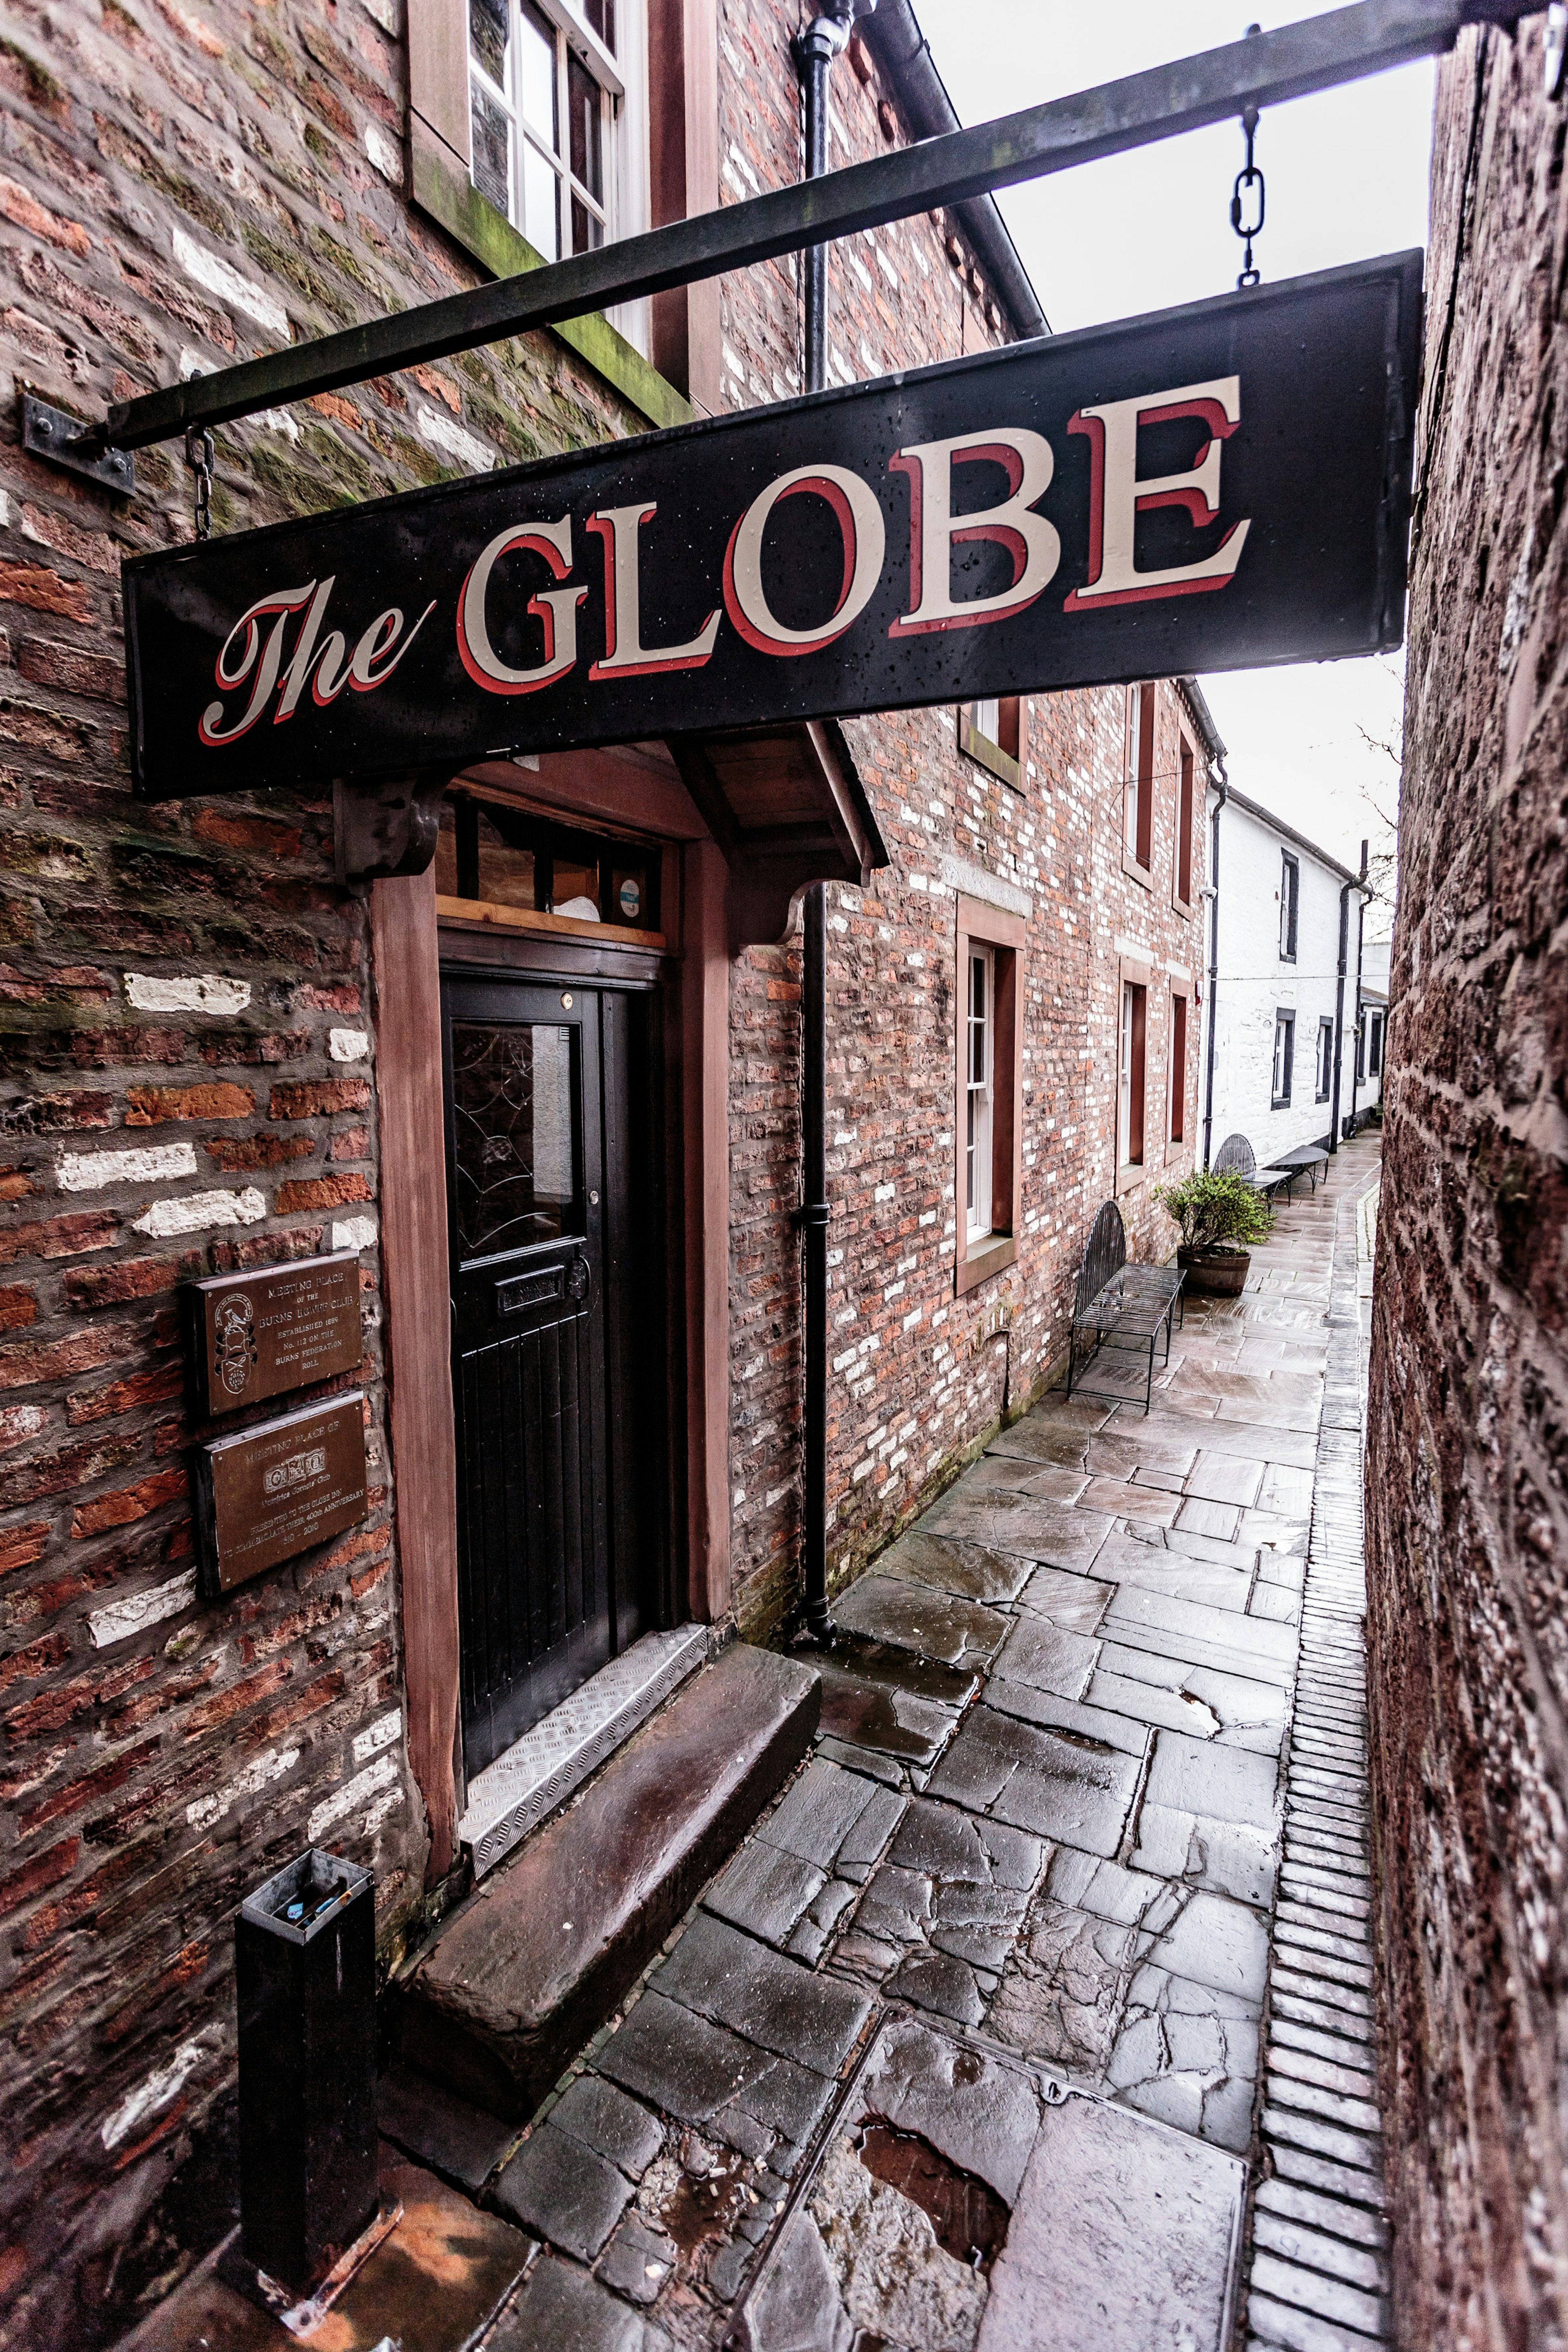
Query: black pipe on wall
{"type": "Point", "coordinates": [1223, 787]}
{"type": "Point", "coordinates": [816, 48]}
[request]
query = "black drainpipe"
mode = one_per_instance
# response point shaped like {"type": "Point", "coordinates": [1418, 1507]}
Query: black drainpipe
{"type": "Point", "coordinates": [1345, 890]}
{"type": "Point", "coordinates": [1223, 789]}
{"type": "Point", "coordinates": [815, 50]}
{"type": "Point", "coordinates": [1360, 943]}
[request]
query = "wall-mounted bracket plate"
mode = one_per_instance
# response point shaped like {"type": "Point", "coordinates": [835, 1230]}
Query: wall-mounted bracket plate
{"type": "Point", "coordinates": [63, 440]}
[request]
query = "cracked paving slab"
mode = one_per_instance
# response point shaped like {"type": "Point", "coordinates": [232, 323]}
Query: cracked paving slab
{"type": "Point", "coordinates": [1052, 1784]}
{"type": "Point", "coordinates": [970, 1571]}
{"type": "Point", "coordinates": [931, 1623]}
{"type": "Point", "coordinates": [1064, 1534]}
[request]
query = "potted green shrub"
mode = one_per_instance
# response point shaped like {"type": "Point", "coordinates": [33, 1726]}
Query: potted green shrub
{"type": "Point", "coordinates": [1218, 1216]}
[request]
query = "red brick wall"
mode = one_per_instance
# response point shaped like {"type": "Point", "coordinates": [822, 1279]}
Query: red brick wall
{"type": "Point", "coordinates": [912, 1384]}
{"type": "Point", "coordinates": [149, 1771]}
{"type": "Point", "coordinates": [182, 186]}
{"type": "Point", "coordinates": [1468, 1516]}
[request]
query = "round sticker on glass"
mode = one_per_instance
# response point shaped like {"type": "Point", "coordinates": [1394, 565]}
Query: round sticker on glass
{"type": "Point", "coordinates": [631, 899]}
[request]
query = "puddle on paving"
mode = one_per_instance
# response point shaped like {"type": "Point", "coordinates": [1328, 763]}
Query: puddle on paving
{"type": "Point", "coordinates": [705, 2206]}
{"type": "Point", "coordinates": [864, 1716]}
{"type": "Point", "coordinates": [969, 2218]}
{"type": "Point", "coordinates": [868, 1660]}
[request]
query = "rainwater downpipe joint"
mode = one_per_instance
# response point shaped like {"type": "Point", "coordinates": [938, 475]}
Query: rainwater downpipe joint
{"type": "Point", "coordinates": [814, 48]}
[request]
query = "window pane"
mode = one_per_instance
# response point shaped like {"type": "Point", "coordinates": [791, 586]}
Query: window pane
{"type": "Point", "coordinates": [492, 149]}
{"type": "Point", "coordinates": [536, 75]}
{"type": "Point", "coordinates": [489, 23]}
{"type": "Point", "coordinates": [506, 875]}
{"type": "Point", "coordinates": [577, 889]}
{"type": "Point", "coordinates": [986, 719]}
{"type": "Point", "coordinates": [600, 15]}
{"type": "Point", "coordinates": [512, 1099]}
{"type": "Point", "coordinates": [540, 197]}
{"type": "Point", "coordinates": [587, 229]}
{"type": "Point", "coordinates": [584, 103]}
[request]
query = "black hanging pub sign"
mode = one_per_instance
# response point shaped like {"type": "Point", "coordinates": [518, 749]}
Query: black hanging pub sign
{"type": "Point", "coordinates": [1213, 487]}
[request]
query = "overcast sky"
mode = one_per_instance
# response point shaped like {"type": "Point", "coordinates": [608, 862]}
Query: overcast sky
{"type": "Point", "coordinates": [1346, 176]}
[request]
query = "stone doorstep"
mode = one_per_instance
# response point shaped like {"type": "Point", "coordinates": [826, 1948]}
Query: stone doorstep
{"type": "Point", "coordinates": [512, 1795]}
{"type": "Point", "coordinates": [523, 1971]}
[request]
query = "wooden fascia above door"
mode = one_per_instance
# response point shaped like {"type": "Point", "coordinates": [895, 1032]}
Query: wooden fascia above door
{"type": "Point", "coordinates": [787, 808]}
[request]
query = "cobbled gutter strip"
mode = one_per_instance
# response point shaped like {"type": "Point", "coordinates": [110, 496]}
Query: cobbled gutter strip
{"type": "Point", "coordinates": [1318, 2255]}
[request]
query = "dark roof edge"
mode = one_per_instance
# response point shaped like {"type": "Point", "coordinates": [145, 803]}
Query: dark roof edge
{"type": "Point", "coordinates": [894, 39]}
{"type": "Point", "coordinates": [1267, 816]}
{"type": "Point", "coordinates": [1203, 717]}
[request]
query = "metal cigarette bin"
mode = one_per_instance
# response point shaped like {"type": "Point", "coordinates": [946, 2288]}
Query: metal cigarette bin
{"type": "Point", "coordinates": [305, 1978]}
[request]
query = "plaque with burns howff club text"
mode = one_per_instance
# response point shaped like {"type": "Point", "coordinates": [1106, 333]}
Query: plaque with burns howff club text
{"type": "Point", "coordinates": [253, 1336]}
{"type": "Point", "coordinates": [267, 1494]}
{"type": "Point", "coordinates": [1206, 488]}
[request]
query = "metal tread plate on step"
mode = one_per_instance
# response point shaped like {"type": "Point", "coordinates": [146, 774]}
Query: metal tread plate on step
{"type": "Point", "coordinates": [512, 1795]}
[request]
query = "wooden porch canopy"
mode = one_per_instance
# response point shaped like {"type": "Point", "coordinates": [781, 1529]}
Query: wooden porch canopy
{"type": "Point", "coordinates": [785, 804]}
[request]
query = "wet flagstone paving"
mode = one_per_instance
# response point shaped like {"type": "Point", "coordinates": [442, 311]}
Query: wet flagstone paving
{"type": "Point", "coordinates": [1004, 1945]}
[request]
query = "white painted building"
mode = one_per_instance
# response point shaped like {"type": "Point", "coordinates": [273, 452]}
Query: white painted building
{"type": "Point", "coordinates": [1284, 986]}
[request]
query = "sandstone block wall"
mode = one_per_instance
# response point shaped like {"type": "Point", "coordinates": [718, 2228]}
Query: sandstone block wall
{"type": "Point", "coordinates": [1468, 1427]}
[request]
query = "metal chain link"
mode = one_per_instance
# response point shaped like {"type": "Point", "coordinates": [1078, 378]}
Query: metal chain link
{"type": "Point", "coordinates": [1247, 197]}
{"type": "Point", "coordinates": [199, 459]}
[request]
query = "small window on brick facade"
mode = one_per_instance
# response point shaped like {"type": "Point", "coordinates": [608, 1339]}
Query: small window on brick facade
{"type": "Point", "coordinates": [1138, 837]}
{"type": "Point", "coordinates": [991, 732]}
{"type": "Point", "coordinates": [1178, 1069]}
{"type": "Point", "coordinates": [548, 116]}
{"type": "Point", "coordinates": [1284, 1057]}
{"type": "Point", "coordinates": [1290, 901]}
{"type": "Point", "coordinates": [980, 1079]}
{"type": "Point", "coordinates": [990, 957]}
{"type": "Point", "coordinates": [1325, 1058]}
{"type": "Point", "coordinates": [1182, 886]}
{"type": "Point", "coordinates": [1131, 1075]}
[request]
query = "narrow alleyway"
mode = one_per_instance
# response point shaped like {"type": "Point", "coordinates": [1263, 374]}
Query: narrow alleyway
{"type": "Point", "coordinates": [964, 2045]}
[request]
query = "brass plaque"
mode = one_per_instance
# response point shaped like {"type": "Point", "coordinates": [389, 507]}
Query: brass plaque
{"type": "Point", "coordinates": [253, 1336]}
{"type": "Point", "coordinates": [270, 1492]}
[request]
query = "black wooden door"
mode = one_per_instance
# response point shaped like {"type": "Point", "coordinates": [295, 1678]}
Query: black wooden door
{"type": "Point", "coordinates": [541, 1102]}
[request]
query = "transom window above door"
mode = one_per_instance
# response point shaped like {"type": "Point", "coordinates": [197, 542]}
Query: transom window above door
{"type": "Point", "coordinates": [506, 858]}
{"type": "Point", "coordinates": [547, 94]}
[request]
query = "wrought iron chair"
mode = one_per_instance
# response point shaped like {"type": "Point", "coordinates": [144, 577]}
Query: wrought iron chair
{"type": "Point", "coordinates": [1124, 1305]}
{"type": "Point", "coordinates": [1235, 1158]}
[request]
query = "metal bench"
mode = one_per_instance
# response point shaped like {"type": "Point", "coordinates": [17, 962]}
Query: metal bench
{"type": "Point", "coordinates": [1235, 1158]}
{"type": "Point", "coordinates": [1306, 1160]}
{"type": "Point", "coordinates": [1124, 1305]}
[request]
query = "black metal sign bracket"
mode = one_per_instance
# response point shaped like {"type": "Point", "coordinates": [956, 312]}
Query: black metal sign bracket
{"type": "Point", "coordinates": [63, 440]}
{"type": "Point", "coordinates": [1317, 53]}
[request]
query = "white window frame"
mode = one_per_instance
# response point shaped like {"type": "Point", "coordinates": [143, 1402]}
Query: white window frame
{"type": "Point", "coordinates": [623, 79]}
{"type": "Point", "coordinates": [1325, 1059]}
{"type": "Point", "coordinates": [1289, 905]}
{"type": "Point", "coordinates": [979, 1091]}
{"type": "Point", "coordinates": [1284, 1071]}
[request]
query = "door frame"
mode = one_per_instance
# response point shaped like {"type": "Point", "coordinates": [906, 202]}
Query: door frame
{"type": "Point", "coordinates": [692, 981]}
{"type": "Point", "coordinates": [537, 968]}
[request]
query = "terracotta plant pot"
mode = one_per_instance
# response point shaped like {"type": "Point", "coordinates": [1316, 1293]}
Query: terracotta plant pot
{"type": "Point", "coordinates": [1214, 1274]}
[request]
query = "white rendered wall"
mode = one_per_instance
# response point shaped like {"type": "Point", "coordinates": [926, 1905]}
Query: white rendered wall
{"type": "Point", "coordinates": [1255, 983]}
